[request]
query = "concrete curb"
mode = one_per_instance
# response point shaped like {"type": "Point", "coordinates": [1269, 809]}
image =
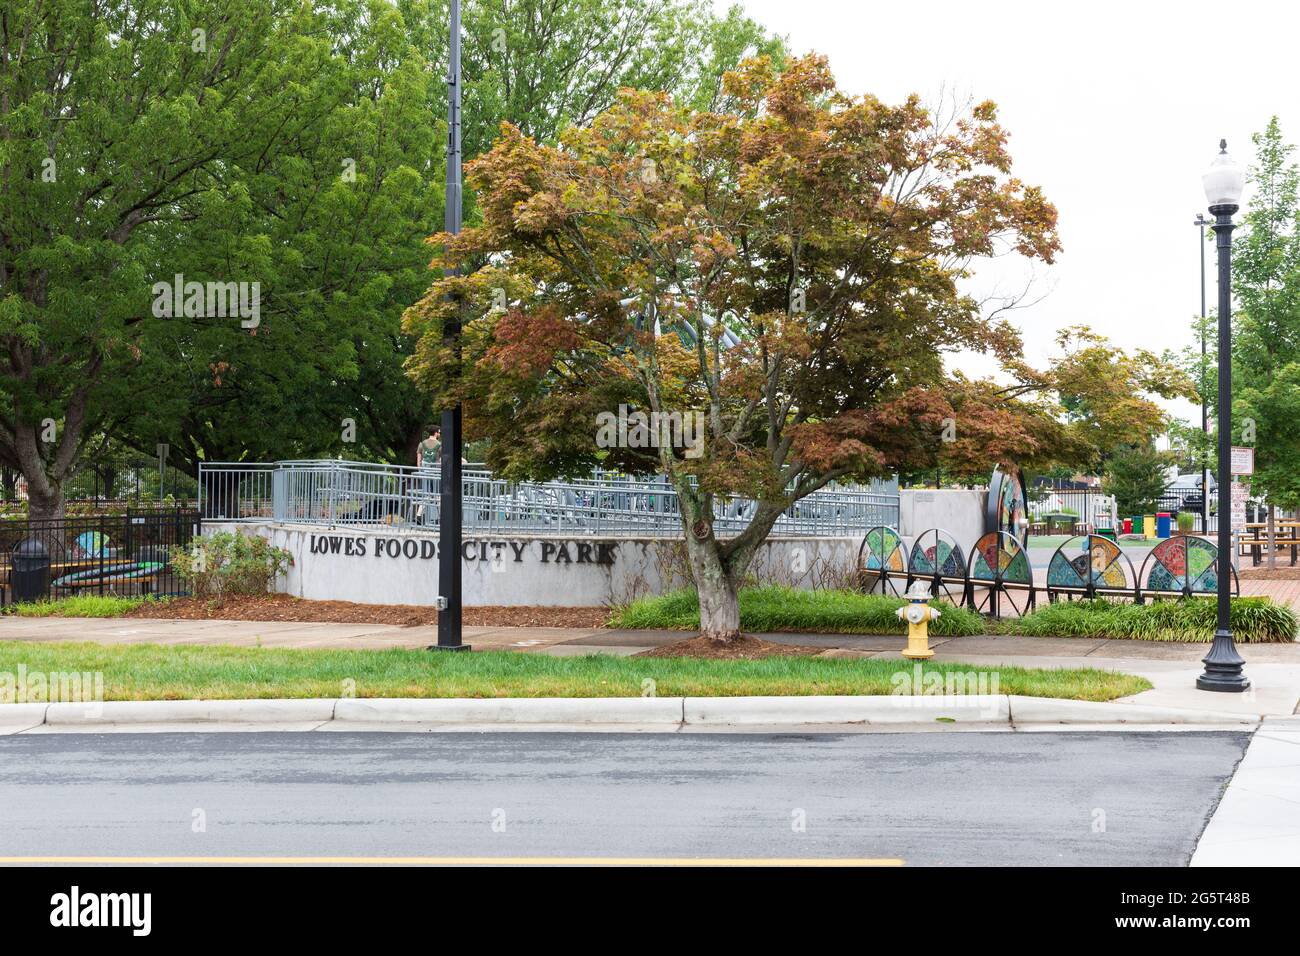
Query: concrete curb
{"type": "Point", "coordinates": [22, 715]}
{"type": "Point", "coordinates": [644, 712]}
{"type": "Point", "coordinates": [513, 710]}
{"type": "Point", "coordinates": [885, 709]}
{"type": "Point", "coordinates": [190, 711]}
{"type": "Point", "coordinates": [1045, 710]}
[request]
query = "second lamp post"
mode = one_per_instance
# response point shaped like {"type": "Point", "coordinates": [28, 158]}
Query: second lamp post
{"type": "Point", "coordinates": [1224, 182]}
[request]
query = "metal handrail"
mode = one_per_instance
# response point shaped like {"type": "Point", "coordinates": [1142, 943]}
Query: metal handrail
{"type": "Point", "coordinates": [336, 492]}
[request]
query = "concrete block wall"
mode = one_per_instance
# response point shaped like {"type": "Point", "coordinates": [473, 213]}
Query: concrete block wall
{"type": "Point", "coordinates": [958, 511]}
{"type": "Point", "coordinates": [401, 567]}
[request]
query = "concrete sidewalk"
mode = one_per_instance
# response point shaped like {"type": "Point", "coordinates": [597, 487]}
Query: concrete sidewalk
{"type": "Point", "coordinates": [1257, 823]}
{"type": "Point", "coordinates": [1273, 668]}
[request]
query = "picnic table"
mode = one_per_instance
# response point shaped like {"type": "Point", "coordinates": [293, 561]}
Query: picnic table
{"type": "Point", "coordinates": [1286, 536]}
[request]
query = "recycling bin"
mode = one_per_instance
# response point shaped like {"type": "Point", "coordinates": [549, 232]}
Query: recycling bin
{"type": "Point", "coordinates": [1106, 533]}
{"type": "Point", "coordinates": [1164, 524]}
{"type": "Point", "coordinates": [1128, 526]}
{"type": "Point", "coordinates": [1148, 526]}
{"type": "Point", "coordinates": [30, 578]}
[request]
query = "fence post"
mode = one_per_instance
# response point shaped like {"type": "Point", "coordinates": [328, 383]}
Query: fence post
{"type": "Point", "coordinates": [279, 494]}
{"type": "Point", "coordinates": [103, 539]}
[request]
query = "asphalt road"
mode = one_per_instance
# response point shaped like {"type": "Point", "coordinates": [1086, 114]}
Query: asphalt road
{"type": "Point", "coordinates": [937, 798]}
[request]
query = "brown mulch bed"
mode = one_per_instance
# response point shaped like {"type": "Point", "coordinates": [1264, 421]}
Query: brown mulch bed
{"type": "Point", "coordinates": [283, 607]}
{"type": "Point", "coordinates": [1283, 572]}
{"type": "Point", "coordinates": [743, 648]}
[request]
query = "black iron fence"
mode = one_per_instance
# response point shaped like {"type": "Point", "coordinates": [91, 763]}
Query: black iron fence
{"type": "Point", "coordinates": [1067, 510]}
{"type": "Point", "coordinates": [127, 555]}
{"type": "Point", "coordinates": [1175, 502]}
{"type": "Point", "coordinates": [1054, 510]}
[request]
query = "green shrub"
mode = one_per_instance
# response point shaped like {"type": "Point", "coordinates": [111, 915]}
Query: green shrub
{"type": "Point", "coordinates": [1186, 522]}
{"type": "Point", "coordinates": [224, 563]}
{"type": "Point", "coordinates": [1255, 620]}
{"type": "Point", "coordinates": [768, 609]}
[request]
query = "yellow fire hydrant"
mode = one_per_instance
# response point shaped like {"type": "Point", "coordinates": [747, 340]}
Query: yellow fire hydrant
{"type": "Point", "coordinates": [918, 616]}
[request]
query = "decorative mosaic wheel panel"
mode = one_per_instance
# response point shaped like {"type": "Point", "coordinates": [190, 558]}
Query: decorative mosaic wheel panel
{"type": "Point", "coordinates": [1007, 511]}
{"type": "Point", "coordinates": [998, 556]}
{"type": "Point", "coordinates": [1182, 563]}
{"type": "Point", "coordinates": [936, 552]}
{"type": "Point", "coordinates": [882, 549]}
{"type": "Point", "coordinates": [1101, 564]}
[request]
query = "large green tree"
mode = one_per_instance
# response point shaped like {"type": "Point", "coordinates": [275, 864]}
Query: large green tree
{"type": "Point", "coordinates": [1266, 346]}
{"type": "Point", "coordinates": [1136, 476]}
{"type": "Point", "coordinates": [330, 217]}
{"type": "Point", "coordinates": [1266, 329]}
{"type": "Point", "coordinates": [144, 140]}
{"type": "Point", "coordinates": [782, 269]}
{"type": "Point", "coordinates": [296, 145]}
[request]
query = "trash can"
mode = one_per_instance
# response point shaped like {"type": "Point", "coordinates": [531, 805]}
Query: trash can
{"type": "Point", "coordinates": [1128, 526]}
{"type": "Point", "coordinates": [1106, 533]}
{"type": "Point", "coordinates": [1148, 526]}
{"type": "Point", "coordinates": [30, 578]}
{"type": "Point", "coordinates": [1164, 523]}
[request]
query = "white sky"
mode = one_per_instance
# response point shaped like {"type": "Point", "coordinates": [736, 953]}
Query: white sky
{"type": "Point", "coordinates": [1114, 109]}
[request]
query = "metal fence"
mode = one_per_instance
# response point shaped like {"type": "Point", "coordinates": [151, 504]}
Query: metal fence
{"type": "Point", "coordinates": [1054, 508]}
{"type": "Point", "coordinates": [356, 493]}
{"type": "Point", "coordinates": [1047, 504]}
{"type": "Point", "coordinates": [126, 555]}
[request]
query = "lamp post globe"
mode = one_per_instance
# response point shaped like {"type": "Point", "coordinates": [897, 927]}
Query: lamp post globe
{"type": "Point", "coordinates": [1224, 183]}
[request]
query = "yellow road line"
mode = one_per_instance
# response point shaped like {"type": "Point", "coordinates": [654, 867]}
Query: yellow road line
{"type": "Point", "coordinates": [462, 860]}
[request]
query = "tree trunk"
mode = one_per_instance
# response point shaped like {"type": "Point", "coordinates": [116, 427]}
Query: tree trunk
{"type": "Point", "coordinates": [45, 505]}
{"type": "Point", "coordinates": [716, 585]}
{"type": "Point", "coordinates": [1272, 539]}
{"type": "Point", "coordinates": [109, 478]}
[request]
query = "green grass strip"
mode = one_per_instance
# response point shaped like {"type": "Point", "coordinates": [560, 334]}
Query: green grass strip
{"type": "Point", "coordinates": [82, 605]}
{"type": "Point", "coordinates": [1254, 620]}
{"type": "Point", "coordinates": [157, 672]}
{"type": "Point", "coordinates": [769, 609]}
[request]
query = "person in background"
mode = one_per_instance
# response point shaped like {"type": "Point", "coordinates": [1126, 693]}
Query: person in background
{"type": "Point", "coordinates": [428, 455]}
{"type": "Point", "coordinates": [429, 451]}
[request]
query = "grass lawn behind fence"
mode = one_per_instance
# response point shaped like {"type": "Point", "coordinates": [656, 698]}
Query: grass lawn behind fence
{"type": "Point", "coordinates": [768, 609]}
{"type": "Point", "coordinates": [156, 672]}
{"type": "Point", "coordinates": [80, 605]}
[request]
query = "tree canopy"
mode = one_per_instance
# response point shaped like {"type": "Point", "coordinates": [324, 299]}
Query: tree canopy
{"type": "Point", "coordinates": [294, 146]}
{"type": "Point", "coordinates": [1266, 346]}
{"type": "Point", "coordinates": [785, 266]}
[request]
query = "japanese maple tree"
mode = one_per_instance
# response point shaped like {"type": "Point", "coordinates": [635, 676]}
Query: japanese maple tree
{"type": "Point", "coordinates": [786, 267]}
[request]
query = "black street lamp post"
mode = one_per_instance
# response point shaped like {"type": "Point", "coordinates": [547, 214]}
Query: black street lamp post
{"type": "Point", "coordinates": [1224, 182]}
{"type": "Point", "coordinates": [1201, 222]}
{"type": "Point", "coordinates": [449, 499]}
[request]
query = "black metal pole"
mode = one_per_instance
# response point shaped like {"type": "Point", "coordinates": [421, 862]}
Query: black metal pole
{"type": "Point", "coordinates": [1223, 665]}
{"type": "Point", "coordinates": [449, 508]}
{"type": "Point", "coordinates": [1201, 222]}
